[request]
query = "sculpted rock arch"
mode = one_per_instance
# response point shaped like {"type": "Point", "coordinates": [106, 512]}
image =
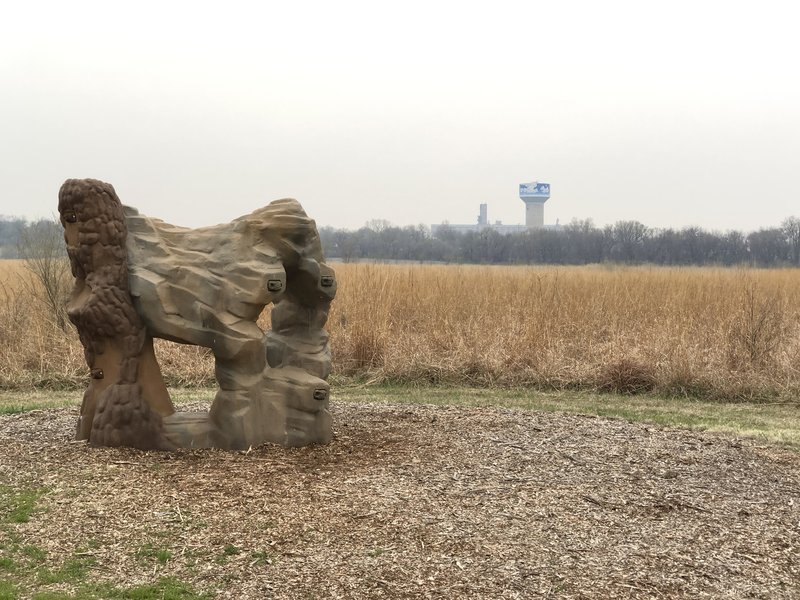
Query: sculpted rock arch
{"type": "Point", "coordinates": [138, 278]}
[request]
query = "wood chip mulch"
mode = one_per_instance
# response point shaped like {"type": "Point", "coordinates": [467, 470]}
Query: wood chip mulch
{"type": "Point", "coordinates": [424, 502]}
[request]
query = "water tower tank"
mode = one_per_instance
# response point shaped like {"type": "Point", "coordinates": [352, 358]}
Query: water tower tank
{"type": "Point", "coordinates": [534, 195]}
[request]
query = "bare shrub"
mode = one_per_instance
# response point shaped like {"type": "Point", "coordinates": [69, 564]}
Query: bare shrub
{"type": "Point", "coordinates": [34, 350]}
{"type": "Point", "coordinates": [626, 376]}
{"type": "Point", "coordinates": [757, 329]}
{"type": "Point", "coordinates": [47, 281]}
{"type": "Point", "coordinates": [14, 312]}
{"type": "Point", "coordinates": [366, 351]}
{"type": "Point", "coordinates": [183, 365]}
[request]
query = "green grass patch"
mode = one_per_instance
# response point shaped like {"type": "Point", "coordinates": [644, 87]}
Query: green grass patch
{"type": "Point", "coordinates": [167, 588]}
{"type": "Point", "coordinates": [24, 573]}
{"type": "Point", "coordinates": [8, 591]}
{"type": "Point", "coordinates": [17, 506]}
{"type": "Point", "coordinates": [15, 402]}
{"type": "Point", "coordinates": [72, 571]}
{"type": "Point", "coordinates": [777, 423]}
{"type": "Point", "coordinates": [7, 564]}
{"type": "Point", "coordinates": [22, 579]}
{"type": "Point", "coordinates": [22, 401]}
{"type": "Point", "coordinates": [34, 553]}
{"type": "Point", "coordinates": [227, 552]}
{"type": "Point", "coordinates": [150, 552]}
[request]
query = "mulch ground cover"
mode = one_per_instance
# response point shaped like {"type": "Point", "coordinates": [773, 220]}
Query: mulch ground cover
{"type": "Point", "coordinates": [422, 502]}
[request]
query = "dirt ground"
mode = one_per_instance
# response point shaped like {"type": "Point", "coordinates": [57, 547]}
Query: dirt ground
{"type": "Point", "coordinates": [424, 502]}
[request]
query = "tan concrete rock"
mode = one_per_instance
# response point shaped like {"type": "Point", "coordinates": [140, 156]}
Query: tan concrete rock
{"type": "Point", "coordinates": [207, 287]}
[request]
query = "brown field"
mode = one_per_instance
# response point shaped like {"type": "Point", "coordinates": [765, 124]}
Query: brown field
{"type": "Point", "coordinates": [731, 334]}
{"type": "Point", "coordinates": [9, 271]}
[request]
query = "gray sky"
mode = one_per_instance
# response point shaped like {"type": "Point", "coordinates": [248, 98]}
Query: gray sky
{"type": "Point", "coordinates": [672, 113]}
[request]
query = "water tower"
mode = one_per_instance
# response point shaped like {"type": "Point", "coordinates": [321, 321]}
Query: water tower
{"type": "Point", "coordinates": [534, 195]}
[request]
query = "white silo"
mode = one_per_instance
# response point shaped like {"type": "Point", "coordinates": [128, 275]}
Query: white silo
{"type": "Point", "coordinates": [483, 217]}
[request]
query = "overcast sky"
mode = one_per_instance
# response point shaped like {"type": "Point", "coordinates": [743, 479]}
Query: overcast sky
{"type": "Point", "coordinates": [672, 113]}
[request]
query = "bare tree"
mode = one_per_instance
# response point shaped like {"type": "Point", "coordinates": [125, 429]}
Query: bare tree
{"type": "Point", "coordinates": [41, 247]}
{"type": "Point", "coordinates": [627, 238]}
{"type": "Point", "coordinates": [378, 225]}
{"type": "Point", "coordinates": [768, 247]}
{"type": "Point", "coordinates": [791, 229]}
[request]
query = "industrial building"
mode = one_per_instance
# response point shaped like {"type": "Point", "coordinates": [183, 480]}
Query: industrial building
{"type": "Point", "coordinates": [533, 194]}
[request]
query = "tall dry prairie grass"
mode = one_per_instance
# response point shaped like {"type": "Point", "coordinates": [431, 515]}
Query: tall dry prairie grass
{"type": "Point", "coordinates": [713, 333]}
{"type": "Point", "coordinates": [697, 331]}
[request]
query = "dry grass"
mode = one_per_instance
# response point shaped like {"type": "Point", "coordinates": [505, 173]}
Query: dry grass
{"type": "Point", "coordinates": [730, 334]}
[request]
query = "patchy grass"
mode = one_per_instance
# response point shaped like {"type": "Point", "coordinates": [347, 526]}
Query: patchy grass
{"type": "Point", "coordinates": [25, 571]}
{"type": "Point", "coordinates": [166, 588]}
{"type": "Point", "coordinates": [73, 570]}
{"type": "Point", "coordinates": [17, 506]}
{"type": "Point", "coordinates": [776, 422]}
{"type": "Point", "coordinates": [8, 591]}
{"type": "Point", "coordinates": [75, 575]}
{"type": "Point", "coordinates": [151, 552]}
{"type": "Point", "coordinates": [424, 492]}
{"type": "Point", "coordinates": [262, 558]}
{"type": "Point", "coordinates": [21, 401]}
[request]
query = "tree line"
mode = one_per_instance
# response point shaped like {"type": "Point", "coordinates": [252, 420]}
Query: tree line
{"type": "Point", "coordinates": [10, 230]}
{"type": "Point", "coordinates": [23, 239]}
{"type": "Point", "coordinates": [578, 243]}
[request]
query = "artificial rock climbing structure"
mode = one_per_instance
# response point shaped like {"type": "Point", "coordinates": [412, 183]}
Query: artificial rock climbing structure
{"type": "Point", "coordinates": [138, 278]}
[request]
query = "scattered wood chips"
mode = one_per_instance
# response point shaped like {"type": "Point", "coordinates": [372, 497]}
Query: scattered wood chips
{"type": "Point", "coordinates": [424, 502]}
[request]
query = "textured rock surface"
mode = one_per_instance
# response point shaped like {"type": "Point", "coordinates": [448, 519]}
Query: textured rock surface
{"type": "Point", "coordinates": [207, 287]}
{"type": "Point", "coordinates": [126, 399]}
